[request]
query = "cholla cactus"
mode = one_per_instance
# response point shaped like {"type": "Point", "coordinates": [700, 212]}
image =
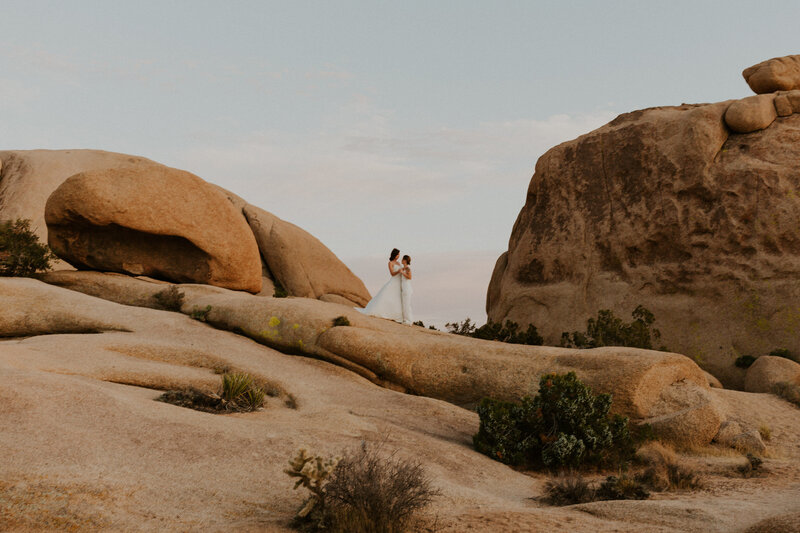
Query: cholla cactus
{"type": "Point", "coordinates": [312, 473]}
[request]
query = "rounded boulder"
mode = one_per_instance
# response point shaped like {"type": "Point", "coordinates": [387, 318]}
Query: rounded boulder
{"type": "Point", "coordinates": [154, 221]}
{"type": "Point", "coordinates": [767, 371]}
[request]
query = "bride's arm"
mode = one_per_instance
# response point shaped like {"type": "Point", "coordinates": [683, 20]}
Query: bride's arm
{"type": "Point", "coordinates": [392, 271]}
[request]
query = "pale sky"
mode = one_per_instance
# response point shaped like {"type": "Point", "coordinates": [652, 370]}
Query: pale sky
{"type": "Point", "coordinates": [414, 124]}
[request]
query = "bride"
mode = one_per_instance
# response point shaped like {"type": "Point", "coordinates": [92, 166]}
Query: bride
{"type": "Point", "coordinates": [388, 303]}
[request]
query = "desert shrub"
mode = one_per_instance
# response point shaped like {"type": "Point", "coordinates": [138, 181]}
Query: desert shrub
{"type": "Point", "coordinates": [371, 492]}
{"type": "Point", "coordinates": [564, 425]}
{"type": "Point", "coordinates": [765, 431]}
{"type": "Point", "coordinates": [365, 491]}
{"type": "Point", "coordinates": [200, 314]}
{"type": "Point", "coordinates": [312, 473]}
{"type": "Point", "coordinates": [193, 399]}
{"type": "Point", "coordinates": [622, 487]}
{"type": "Point", "coordinates": [341, 321]}
{"type": "Point", "coordinates": [744, 361]}
{"type": "Point", "coordinates": [21, 253]}
{"type": "Point", "coordinates": [169, 299]}
{"type": "Point", "coordinates": [664, 471]}
{"type": "Point", "coordinates": [609, 330]}
{"type": "Point", "coordinates": [496, 331]}
{"type": "Point", "coordinates": [568, 489]}
{"type": "Point", "coordinates": [751, 467]}
{"type": "Point", "coordinates": [788, 391]}
{"type": "Point", "coordinates": [239, 392]}
{"type": "Point", "coordinates": [279, 292]}
{"type": "Point", "coordinates": [783, 352]}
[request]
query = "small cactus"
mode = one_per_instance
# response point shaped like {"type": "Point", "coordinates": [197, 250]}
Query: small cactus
{"type": "Point", "coordinates": [312, 473]}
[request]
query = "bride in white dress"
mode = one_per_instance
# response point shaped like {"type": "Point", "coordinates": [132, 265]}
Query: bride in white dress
{"type": "Point", "coordinates": [388, 303]}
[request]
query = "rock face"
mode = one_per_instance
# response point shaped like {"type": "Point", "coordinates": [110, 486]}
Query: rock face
{"type": "Point", "coordinates": [767, 371]}
{"type": "Point", "coordinates": [301, 263]}
{"type": "Point", "coordinates": [666, 390]}
{"type": "Point", "coordinates": [153, 221]}
{"type": "Point", "coordinates": [667, 208]}
{"type": "Point", "coordinates": [777, 74]}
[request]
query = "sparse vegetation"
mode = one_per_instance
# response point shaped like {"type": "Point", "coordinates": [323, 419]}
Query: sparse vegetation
{"type": "Point", "coordinates": [622, 487]}
{"type": "Point", "coordinates": [752, 467]}
{"type": "Point", "coordinates": [21, 253]}
{"type": "Point", "coordinates": [169, 299]}
{"type": "Point", "coordinates": [200, 314]}
{"type": "Point", "coordinates": [421, 324]}
{"type": "Point", "coordinates": [783, 352]}
{"type": "Point", "coordinates": [765, 431]}
{"type": "Point", "coordinates": [664, 472]}
{"type": "Point", "coordinates": [744, 361]}
{"type": "Point", "coordinates": [568, 489]}
{"type": "Point", "coordinates": [564, 425]}
{"type": "Point", "coordinates": [609, 330]}
{"type": "Point", "coordinates": [496, 331]}
{"type": "Point", "coordinates": [363, 492]}
{"type": "Point", "coordinates": [788, 391]}
{"type": "Point", "coordinates": [341, 321]}
{"type": "Point", "coordinates": [238, 393]}
{"type": "Point", "coordinates": [279, 292]}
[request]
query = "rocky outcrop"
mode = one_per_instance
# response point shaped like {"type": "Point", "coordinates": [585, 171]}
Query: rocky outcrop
{"type": "Point", "coordinates": [768, 371]}
{"type": "Point", "coordinates": [667, 208]}
{"type": "Point", "coordinates": [776, 74]}
{"type": "Point", "coordinates": [153, 221]}
{"type": "Point", "coordinates": [301, 263]}
{"type": "Point", "coordinates": [666, 390]}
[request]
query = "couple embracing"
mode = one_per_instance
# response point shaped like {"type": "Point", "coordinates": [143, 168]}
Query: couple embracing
{"type": "Point", "coordinates": [393, 301]}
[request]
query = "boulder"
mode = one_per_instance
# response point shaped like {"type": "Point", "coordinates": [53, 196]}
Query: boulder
{"type": "Point", "coordinates": [767, 371]}
{"type": "Point", "coordinates": [783, 107]}
{"type": "Point", "coordinates": [301, 263]}
{"type": "Point", "coordinates": [751, 114]}
{"type": "Point", "coordinates": [666, 208]}
{"type": "Point", "coordinates": [154, 221]}
{"type": "Point", "coordinates": [785, 523]}
{"type": "Point", "coordinates": [776, 74]}
{"type": "Point", "coordinates": [744, 439]}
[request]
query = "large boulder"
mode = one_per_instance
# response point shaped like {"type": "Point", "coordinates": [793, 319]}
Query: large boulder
{"type": "Point", "coordinates": [776, 74]}
{"type": "Point", "coordinates": [667, 208]}
{"type": "Point", "coordinates": [768, 371]}
{"type": "Point", "coordinates": [154, 221]}
{"type": "Point", "coordinates": [301, 263]}
{"type": "Point", "coordinates": [752, 114]}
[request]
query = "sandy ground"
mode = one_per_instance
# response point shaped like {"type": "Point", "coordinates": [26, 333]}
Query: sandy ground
{"type": "Point", "coordinates": [86, 447]}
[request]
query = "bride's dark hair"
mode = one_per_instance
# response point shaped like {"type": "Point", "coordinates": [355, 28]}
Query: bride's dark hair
{"type": "Point", "coordinates": [394, 254]}
{"type": "Point", "coordinates": [407, 259]}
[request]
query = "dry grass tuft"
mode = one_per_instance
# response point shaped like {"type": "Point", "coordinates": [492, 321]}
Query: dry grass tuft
{"type": "Point", "coordinates": [568, 489]}
{"type": "Point", "coordinates": [664, 471]}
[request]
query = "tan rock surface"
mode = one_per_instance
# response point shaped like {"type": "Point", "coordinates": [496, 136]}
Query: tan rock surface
{"type": "Point", "coordinates": [87, 448]}
{"type": "Point", "coordinates": [153, 221]}
{"type": "Point", "coordinates": [666, 208]}
{"type": "Point", "coordinates": [666, 390]}
{"type": "Point", "coordinates": [776, 74]}
{"type": "Point", "coordinates": [301, 263]}
{"type": "Point", "coordinates": [767, 371]}
{"type": "Point", "coordinates": [751, 114]}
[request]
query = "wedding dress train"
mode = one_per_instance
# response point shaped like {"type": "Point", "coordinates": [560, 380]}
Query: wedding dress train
{"type": "Point", "coordinates": [388, 303]}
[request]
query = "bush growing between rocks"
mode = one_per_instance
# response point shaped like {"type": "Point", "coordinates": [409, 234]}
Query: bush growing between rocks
{"type": "Point", "coordinates": [664, 472]}
{"type": "Point", "coordinates": [169, 299]}
{"type": "Point", "coordinates": [279, 292]}
{"type": "Point", "coordinates": [572, 488]}
{"type": "Point", "coordinates": [21, 253]}
{"type": "Point", "coordinates": [341, 321]}
{"type": "Point", "coordinates": [496, 331]}
{"type": "Point", "coordinates": [609, 330]}
{"type": "Point", "coordinates": [564, 425]}
{"type": "Point", "coordinates": [362, 492]}
{"type": "Point", "coordinates": [783, 352]}
{"type": "Point", "coordinates": [745, 361]}
{"type": "Point", "coordinates": [200, 314]}
{"type": "Point", "coordinates": [622, 487]}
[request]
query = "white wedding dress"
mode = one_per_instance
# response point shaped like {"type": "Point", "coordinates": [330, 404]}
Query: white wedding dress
{"type": "Point", "coordinates": [405, 295]}
{"type": "Point", "coordinates": [388, 303]}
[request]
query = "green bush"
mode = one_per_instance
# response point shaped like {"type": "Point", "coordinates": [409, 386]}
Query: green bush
{"type": "Point", "coordinates": [744, 361]}
{"type": "Point", "coordinates": [200, 314]}
{"type": "Point", "coordinates": [279, 292]}
{"type": "Point", "coordinates": [240, 393]}
{"type": "Point", "coordinates": [169, 299]}
{"type": "Point", "coordinates": [609, 330]}
{"type": "Point", "coordinates": [21, 253]}
{"type": "Point", "coordinates": [341, 321]}
{"type": "Point", "coordinates": [783, 352]}
{"type": "Point", "coordinates": [564, 425]}
{"type": "Point", "coordinates": [497, 331]}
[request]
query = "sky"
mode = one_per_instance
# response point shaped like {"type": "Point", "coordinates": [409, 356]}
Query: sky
{"type": "Point", "coordinates": [371, 124]}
